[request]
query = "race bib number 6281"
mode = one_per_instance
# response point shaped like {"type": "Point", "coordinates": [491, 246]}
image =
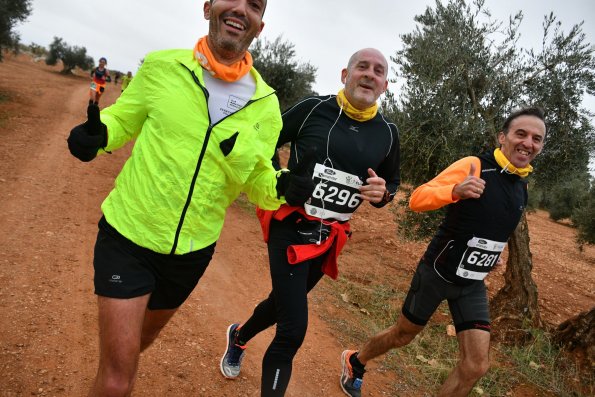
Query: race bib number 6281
{"type": "Point", "coordinates": [479, 258]}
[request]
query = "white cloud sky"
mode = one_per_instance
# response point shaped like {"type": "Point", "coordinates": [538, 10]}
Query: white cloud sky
{"type": "Point", "coordinates": [325, 32]}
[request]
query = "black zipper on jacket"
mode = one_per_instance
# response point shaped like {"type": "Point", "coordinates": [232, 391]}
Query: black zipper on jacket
{"type": "Point", "coordinates": [201, 156]}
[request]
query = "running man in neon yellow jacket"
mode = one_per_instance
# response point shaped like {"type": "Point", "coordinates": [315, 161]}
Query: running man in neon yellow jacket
{"type": "Point", "coordinates": [206, 125]}
{"type": "Point", "coordinates": [197, 165]}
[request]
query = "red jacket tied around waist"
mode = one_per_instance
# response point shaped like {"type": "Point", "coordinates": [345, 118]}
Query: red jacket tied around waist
{"type": "Point", "coordinates": [301, 252]}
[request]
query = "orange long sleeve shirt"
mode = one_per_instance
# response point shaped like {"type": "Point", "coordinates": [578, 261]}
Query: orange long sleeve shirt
{"type": "Point", "coordinates": [437, 192]}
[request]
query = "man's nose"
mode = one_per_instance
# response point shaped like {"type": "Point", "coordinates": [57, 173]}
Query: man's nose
{"type": "Point", "coordinates": [527, 143]}
{"type": "Point", "coordinates": [239, 7]}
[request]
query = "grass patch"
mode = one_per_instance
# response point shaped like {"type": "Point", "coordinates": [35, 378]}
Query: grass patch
{"type": "Point", "coordinates": [425, 363]}
{"type": "Point", "coordinates": [3, 118]}
{"type": "Point", "coordinates": [4, 97]}
{"type": "Point", "coordinates": [542, 364]}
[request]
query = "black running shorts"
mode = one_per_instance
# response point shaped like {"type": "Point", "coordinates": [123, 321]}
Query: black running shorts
{"type": "Point", "coordinates": [125, 270]}
{"type": "Point", "coordinates": [468, 304]}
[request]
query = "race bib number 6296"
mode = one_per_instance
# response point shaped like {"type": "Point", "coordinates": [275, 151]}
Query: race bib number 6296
{"type": "Point", "coordinates": [336, 194]}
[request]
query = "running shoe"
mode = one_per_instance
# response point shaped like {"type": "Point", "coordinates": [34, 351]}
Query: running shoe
{"type": "Point", "coordinates": [231, 361]}
{"type": "Point", "coordinates": [351, 385]}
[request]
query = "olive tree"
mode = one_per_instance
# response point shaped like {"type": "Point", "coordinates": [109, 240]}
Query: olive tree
{"type": "Point", "coordinates": [464, 72]}
{"type": "Point", "coordinates": [71, 56]}
{"type": "Point", "coordinates": [277, 62]}
{"type": "Point", "coordinates": [11, 13]}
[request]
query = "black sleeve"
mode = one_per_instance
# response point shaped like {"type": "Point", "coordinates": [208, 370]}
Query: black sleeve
{"type": "Point", "coordinates": [389, 169]}
{"type": "Point", "coordinates": [293, 118]}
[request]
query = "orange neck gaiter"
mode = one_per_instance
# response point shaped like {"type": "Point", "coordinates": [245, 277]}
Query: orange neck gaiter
{"type": "Point", "coordinates": [204, 56]}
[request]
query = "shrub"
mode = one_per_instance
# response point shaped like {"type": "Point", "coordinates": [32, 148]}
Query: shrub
{"type": "Point", "coordinates": [584, 218]}
{"type": "Point", "coordinates": [566, 197]}
{"type": "Point", "coordinates": [417, 225]}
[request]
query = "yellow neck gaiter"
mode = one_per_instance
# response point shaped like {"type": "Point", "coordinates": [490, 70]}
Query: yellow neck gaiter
{"type": "Point", "coordinates": [204, 56]}
{"type": "Point", "coordinates": [353, 112]}
{"type": "Point", "coordinates": [508, 167]}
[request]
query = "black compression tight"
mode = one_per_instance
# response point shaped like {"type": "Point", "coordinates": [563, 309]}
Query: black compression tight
{"type": "Point", "coordinates": [287, 306]}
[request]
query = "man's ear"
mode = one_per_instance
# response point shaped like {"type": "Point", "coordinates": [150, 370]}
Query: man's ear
{"type": "Point", "coordinates": [501, 138]}
{"type": "Point", "coordinates": [344, 76]}
{"type": "Point", "coordinates": [385, 86]}
{"type": "Point", "coordinates": [206, 8]}
{"type": "Point", "coordinates": [260, 30]}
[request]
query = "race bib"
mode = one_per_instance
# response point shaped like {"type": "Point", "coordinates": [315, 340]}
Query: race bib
{"type": "Point", "coordinates": [479, 258]}
{"type": "Point", "coordinates": [336, 196]}
{"type": "Point", "coordinates": [93, 86]}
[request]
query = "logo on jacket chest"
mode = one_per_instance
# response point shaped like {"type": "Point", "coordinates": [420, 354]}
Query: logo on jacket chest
{"type": "Point", "coordinates": [235, 103]}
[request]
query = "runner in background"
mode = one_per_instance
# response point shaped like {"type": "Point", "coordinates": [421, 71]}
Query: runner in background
{"type": "Point", "coordinates": [126, 79]}
{"type": "Point", "coordinates": [99, 75]}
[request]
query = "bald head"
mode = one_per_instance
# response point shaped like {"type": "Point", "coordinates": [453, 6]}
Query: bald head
{"type": "Point", "coordinates": [364, 52]}
{"type": "Point", "coordinates": [365, 77]}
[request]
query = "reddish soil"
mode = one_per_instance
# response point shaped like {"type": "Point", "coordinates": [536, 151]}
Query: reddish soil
{"type": "Point", "coordinates": [49, 208]}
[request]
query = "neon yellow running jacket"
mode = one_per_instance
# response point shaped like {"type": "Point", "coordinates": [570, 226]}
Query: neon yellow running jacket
{"type": "Point", "coordinates": [173, 191]}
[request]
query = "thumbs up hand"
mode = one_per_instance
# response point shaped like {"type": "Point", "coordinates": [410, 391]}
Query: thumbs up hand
{"type": "Point", "coordinates": [374, 189]}
{"type": "Point", "coordinates": [471, 187]}
{"type": "Point", "coordinates": [86, 139]}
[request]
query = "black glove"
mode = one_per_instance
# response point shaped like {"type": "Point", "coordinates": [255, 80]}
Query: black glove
{"type": "Point", "coordinates": [297, 185]}
{"type": "Point", "coordinates": [86, 139]}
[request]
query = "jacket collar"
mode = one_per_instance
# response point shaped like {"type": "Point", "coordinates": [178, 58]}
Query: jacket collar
{"type": "Point", "coordinates": [262, 88]}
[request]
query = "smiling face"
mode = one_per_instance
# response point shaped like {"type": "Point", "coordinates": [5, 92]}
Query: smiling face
{"type": "Point", "coordinates": [523, 140]}
{"type": "Point", "coordinates": [365, 78]}
{"type": "Point", "coordinates": [233, 24]}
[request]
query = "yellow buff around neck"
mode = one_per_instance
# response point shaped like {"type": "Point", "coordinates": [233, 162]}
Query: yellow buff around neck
{"type": "Point", "coordinates": [354, 113]}
{"type": "Point", "coordinates": [508, 167]}
{"type": "Point", "coordinates": [204, 56]}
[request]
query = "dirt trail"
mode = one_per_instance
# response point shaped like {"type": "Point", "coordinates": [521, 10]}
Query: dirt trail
{"type": "Point", "coordinates": [49, 208]}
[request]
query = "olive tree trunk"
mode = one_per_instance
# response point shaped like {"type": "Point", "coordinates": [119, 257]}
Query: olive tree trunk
{"type": "Point", "coordinates": [577, 337]}
{"type": "Point", "coordinates": [514, 308]}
